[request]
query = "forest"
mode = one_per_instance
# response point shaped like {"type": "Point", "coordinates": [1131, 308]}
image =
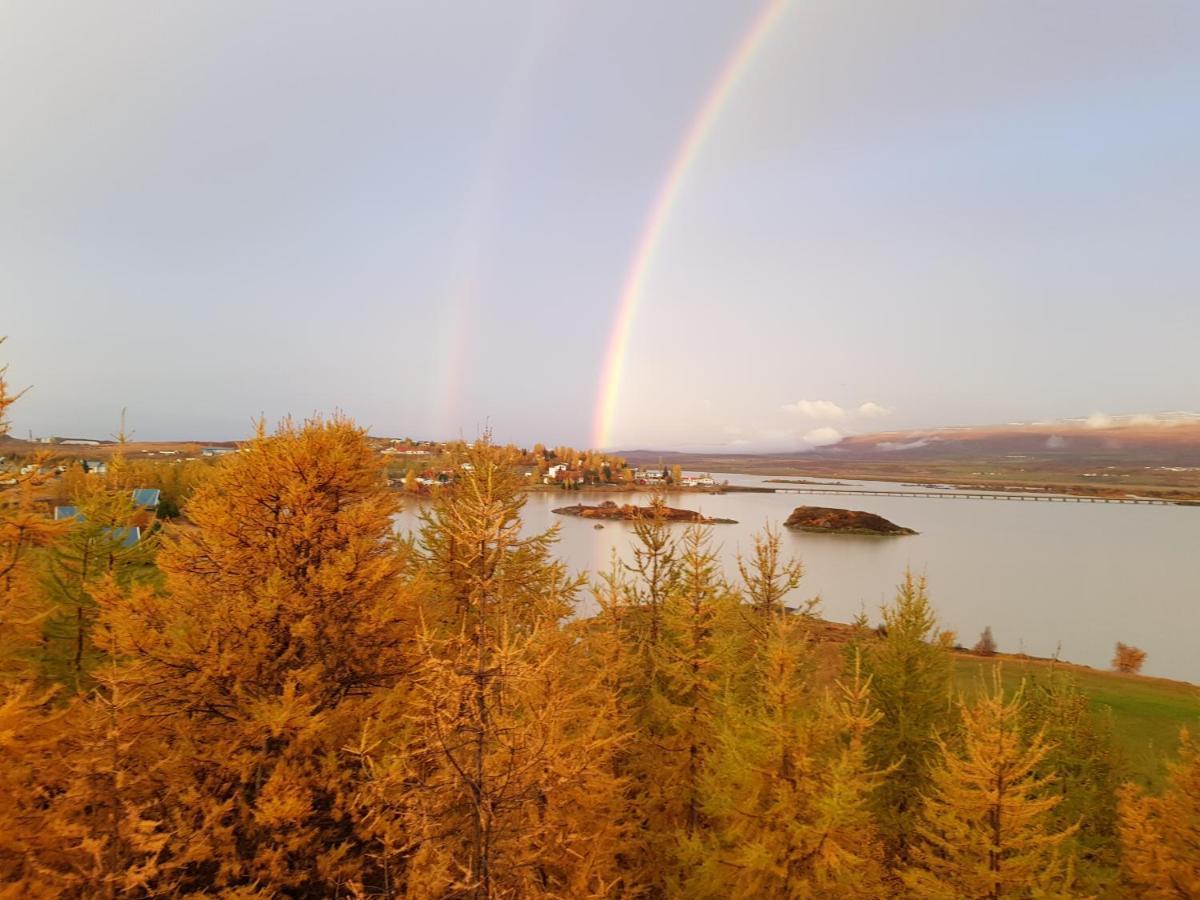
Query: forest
{"type": "Point", "coordinates": [275, 695]}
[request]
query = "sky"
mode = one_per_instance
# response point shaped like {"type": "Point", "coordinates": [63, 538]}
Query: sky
{"type": "Point", "coordinates": [424, 216]}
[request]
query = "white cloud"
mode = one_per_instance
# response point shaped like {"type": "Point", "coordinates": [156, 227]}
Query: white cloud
{"type": "Point", "coordinates": [1055, 442]}
{"type": "Point", "coordinates": [1099, 420]}
{"type": "Point", "coordinates": [872, 410]}
{"type": "Point", "coordinates": [823, 437]}
{"type": "Point", "coordinates": [816, 409]}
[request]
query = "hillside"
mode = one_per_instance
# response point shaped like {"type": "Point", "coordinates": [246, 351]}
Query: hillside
{"type": "Point", "coordinates": [1109, 457]}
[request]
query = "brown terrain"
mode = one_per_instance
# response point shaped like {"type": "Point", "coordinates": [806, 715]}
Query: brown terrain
{"type": "Point", "coordinates": [10, 446]}
{"type": "Point", "coordinates": [841, 521]}
{"type": "Point", "coordinates": [630, 513]}
{"type": "Point", "coordinates": [1112, 458]}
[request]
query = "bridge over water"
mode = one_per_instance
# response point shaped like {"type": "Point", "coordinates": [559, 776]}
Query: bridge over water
{"type": "Point", "coordinates": [1017, 496]}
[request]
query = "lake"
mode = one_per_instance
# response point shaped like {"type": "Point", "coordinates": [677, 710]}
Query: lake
{"type": "Point", "coordinates": [1075, 576]}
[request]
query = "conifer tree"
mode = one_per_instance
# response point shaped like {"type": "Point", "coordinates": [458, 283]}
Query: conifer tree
{"type": "Point", "coordinates": [23, 531]}
{"type": "Point", "coordinates": [101, 543]}
{"type": "Point", "coordinates": [985, 829]}
{"type": "Point", "coordinates": [701, 643]}
{"type": "Point", "coordinates": [282, 614]}
{"type": "Point", "coordinates": [911, 673]}
{"type": "Point", "coordinates": [1087, 767]}
{"type": "Point", "coordinates": [788, 788]}
{"type": "Point", "coordinates": [693, 663]}
{"type": "Point", "coordinates": [768, 578]}
{"type": "Point", "coordinates": [501, 776]}
{"type": "Point", "coordinates": [100, 827]}
{"type": "Point", "coordinates": [1160, 836]}
{"type": "Point", "coordinates": [30, 729]}
{"type": "Point", "coordinates": [653, 568]}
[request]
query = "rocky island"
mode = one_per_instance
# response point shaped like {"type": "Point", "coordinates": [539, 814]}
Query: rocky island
{"type": "Point", "coordinates": [827, 520]}
{"type": "Point", "coordinates": [628, 512]}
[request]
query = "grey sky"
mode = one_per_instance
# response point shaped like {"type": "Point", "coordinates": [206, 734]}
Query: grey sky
{"type": "Point", "coordinates": [422, 214]}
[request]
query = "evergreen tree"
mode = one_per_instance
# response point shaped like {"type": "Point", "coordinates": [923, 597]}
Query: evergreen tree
{"type": "Point", "coordinates": [105, 788]}
{"type": "Point", "coordinates": [24, 531]}
{"type": "Point", "coordinates": [1087, 767]}
{"type": "Point", "coordinates": [767, 579]}
{"type": "Point", "coordinates": [789, 786]}
{"type": "Point", "coordinates": [100, 545]}
{"type": "Point", "coordinates": [693, 664]}
{"type": "Point", "coordinates": [1160, 836]}
{"type": "Point", "coordinates": [912, 676]}
{"type": "Point", "coordinates": [985, 829]}
{"type": "Point", "coordinates": [501, 775]}
{"type": "Point", "coordinates": [653, 569]}
{"type": "Point", "coordinates": [282, 614]}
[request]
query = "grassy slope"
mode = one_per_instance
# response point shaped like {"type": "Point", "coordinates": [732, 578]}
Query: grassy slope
{"type": "Point", "coordinates": [1147, 713]}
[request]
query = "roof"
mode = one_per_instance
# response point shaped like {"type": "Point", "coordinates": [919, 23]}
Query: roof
{"type": "Point", "coordinates": [146, 497]}
{"type": "Point", "coordinates": [127, 537]}
{"type": "Point", "coordinates": [66, 512]}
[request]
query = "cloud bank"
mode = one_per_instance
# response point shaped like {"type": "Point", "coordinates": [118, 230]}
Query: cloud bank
{"type": "Point", "coordinates": [828, 411]}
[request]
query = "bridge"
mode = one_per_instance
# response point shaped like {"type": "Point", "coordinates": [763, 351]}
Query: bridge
{"type": "Point", "coordinates": [1022, 497]}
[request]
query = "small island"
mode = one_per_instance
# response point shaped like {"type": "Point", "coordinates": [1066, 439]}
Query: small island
{"type": "Point", "coordinates": [827, 520]}
{"type": "Point", "coordinates": [628, 512]}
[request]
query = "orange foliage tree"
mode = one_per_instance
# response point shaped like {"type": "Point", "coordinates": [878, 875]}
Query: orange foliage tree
{"type": "Point", "coordinates": [985, 828]}
{"type": "Point", "coordinates": [1128, 658]}
{"type": "Point", "coordinates": [1160, 836]}
{"type": "Point", "coordinates": [284, 613]}
{"type": "Point", "coordinates": [496, 780]}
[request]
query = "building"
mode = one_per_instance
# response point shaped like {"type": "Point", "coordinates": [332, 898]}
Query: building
{"type": "Point", "coordinates": [215, 451]}
{"type": "Point", "coordinates": [146, 498]}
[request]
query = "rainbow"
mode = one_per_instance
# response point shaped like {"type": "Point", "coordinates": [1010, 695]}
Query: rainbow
{"type": "Point", "coordinates": [609, 388]}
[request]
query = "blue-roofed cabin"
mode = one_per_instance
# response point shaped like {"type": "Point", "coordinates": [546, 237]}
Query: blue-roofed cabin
{"type": "Point", "coordinates": [147, 498]}
{"type": "Point", "coordinates": [127, 537]}
{"type": "Point", "coordinates": [67, 512]}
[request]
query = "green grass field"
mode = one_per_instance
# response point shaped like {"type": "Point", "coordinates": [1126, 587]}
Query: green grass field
{"type": "Point", "coordinates": [1147, 713]}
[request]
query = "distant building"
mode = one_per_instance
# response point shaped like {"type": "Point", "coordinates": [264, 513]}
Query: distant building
{"type": "Point", "coordinates": [147, 498]}
{"type": "Point", "coordinates": [95, 466]}
{"type": "Point", "coordinates": [215, 451]}
{"type": "Point", "coordinates": [126, 536]}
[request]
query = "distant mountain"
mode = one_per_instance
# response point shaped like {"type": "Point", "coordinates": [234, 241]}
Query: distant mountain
{"type": "Point", "coordinates": [1171, 439]}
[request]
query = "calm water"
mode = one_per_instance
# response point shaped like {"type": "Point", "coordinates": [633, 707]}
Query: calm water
{"type": "Point", "coordinates": [1082, 575]}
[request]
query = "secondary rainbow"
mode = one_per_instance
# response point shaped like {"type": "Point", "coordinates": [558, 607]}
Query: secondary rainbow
{"type": "Point", "coordinates": [631, 292]}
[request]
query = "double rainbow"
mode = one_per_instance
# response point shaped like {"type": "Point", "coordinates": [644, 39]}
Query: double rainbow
{"type": "Point", "coordinates": [652, 230]}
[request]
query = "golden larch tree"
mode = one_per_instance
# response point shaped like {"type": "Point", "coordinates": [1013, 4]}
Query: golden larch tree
{"type": "Point", "coordinates": [1160, 836]}
{"type": "Point", "coordinates": [789, 784]}
{"type": "Point", "coordinates": [912, 676]}
{"type": "Point", "coordinates": [985, 829]}
{"type": "Point", "coordinates": [497, 780]}
{"type": "Point", "coordinates": [283, 615]}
